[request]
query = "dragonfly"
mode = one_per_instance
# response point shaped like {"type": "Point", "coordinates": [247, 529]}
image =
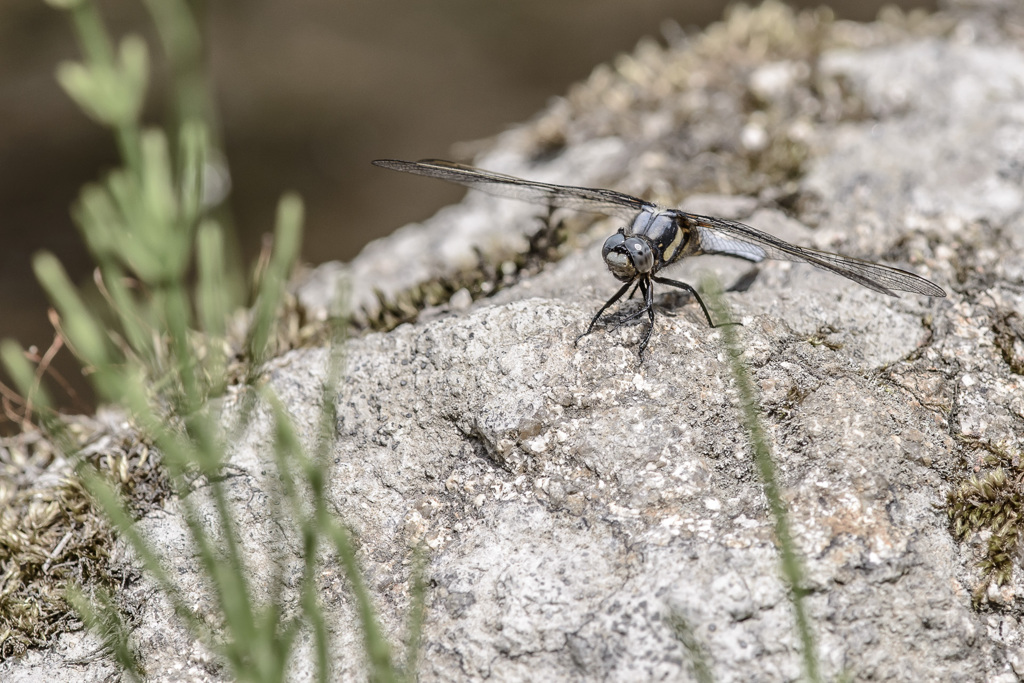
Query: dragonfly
{"type": "Point", "coordinates": [658, 237]}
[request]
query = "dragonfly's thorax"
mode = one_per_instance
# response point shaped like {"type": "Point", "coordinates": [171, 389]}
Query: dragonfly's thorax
{"type": "Point", "coordinates": [629, 256]}
{"type": "Point", "coordinates": [663, 231]}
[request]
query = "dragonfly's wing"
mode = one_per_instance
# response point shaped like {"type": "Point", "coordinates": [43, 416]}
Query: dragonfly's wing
{"type": "Point", "coordinates": [501, 185]}
{"type": "Point", "coordinates": [718, 236]}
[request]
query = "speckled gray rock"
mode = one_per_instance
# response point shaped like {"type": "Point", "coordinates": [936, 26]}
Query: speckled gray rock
{"type": "Point", "coordinates": [578, 504]}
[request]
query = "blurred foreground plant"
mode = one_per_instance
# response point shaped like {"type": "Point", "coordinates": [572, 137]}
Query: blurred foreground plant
{"type": "Point", "coordinates": [161, 349]}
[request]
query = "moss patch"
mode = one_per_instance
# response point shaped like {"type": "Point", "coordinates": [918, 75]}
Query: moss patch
{"type": "Point", "coordinates": [989, 506]}
{"type": "Point", "coordinates": [51, 534]}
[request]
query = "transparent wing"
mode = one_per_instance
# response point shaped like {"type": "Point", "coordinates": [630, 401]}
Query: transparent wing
{"type": "Point", "coordinates": [501, 185]}
{"type": "Point", "coordinates": [718, 236]}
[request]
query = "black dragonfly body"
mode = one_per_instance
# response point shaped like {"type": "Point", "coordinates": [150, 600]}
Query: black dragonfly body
{"type": "Point", "coordinates": [658, 237]}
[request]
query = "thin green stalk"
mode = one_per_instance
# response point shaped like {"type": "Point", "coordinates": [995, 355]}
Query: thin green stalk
{"type": "Point", "coordinates": [212, 306]}
{"type": "Point", "coordinates": [24, 375]}
{"type": "Point", "coordinates": [119, 516]}
{"type": "Point", "coordinates": [321, 523]}
{"type": "Point", "coordinates": [99, 51]}
{"type": "Point", "coordinates": [684, 633]}
{"type": "Point", "coordinates": [316, 469]}
{"type": "Point", "coordinates": [177, 314]}
{"type": "Point", "coordinates": [100, 615]}
{"type": "Point", "coordinates": [178, 24]}
{"type": "Point", "coordinates": [288, 453]}
{"type": "Point", "coordinates": [287, 239]}
{"type": "Point", "coordinates": [92, 34]}
{"type": "Point", "coordinates": [182, 43]}
{"type": "Point", "coordinates": [227, 567]}
{"type": "Point", "coordinates": [137, 328]}
{"type": "Point", "coordinates": [378, 651]}
{"type": "Point", "coordinates": [129, 143]}
{"type": "Point", "coordinates": [291, 457]}
{"type": "Point", "coordinates": [317, 621]}
{"type": "Point", "coordinates": [792, 572]}
{"type": "Point", "coordinates": [417, 613]}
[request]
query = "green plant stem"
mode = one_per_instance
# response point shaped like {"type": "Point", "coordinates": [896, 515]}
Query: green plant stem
{"type": "Point", "coordinates": [175, 306]}
{"type": "Point", "coordinates": [417, 612]}
{"type": "Point", "coordinates": [182, 43]}
{"type": "Point", "coordinates": [683, 632]}
{"type": "Point", "coordinates": [92, 35]}
{"type": "Point", "coordinates": [792, 572]}
{"type": "Point", "coordinates": [178, 26]}
{"type": "Point", "coordinates": [377, 649]}
{"type": "Point", "coordinates": [129, 143]}
{"type": "Point", "coordinates": [287, 238]}
{"type": "Point", "coordinates": [99, 50]}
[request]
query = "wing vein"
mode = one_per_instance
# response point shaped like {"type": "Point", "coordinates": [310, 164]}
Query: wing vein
{"type": "Point", "coordinates": [719, 236]}
{"type": "Point", "coordinates": [590, 199]}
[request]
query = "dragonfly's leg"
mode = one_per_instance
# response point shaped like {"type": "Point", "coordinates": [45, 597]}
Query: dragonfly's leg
{"type": "Point", "coordinates": [691, 290]}
{"type": "Point", "coordinates": [590, 327]}
{"type": "Point", "coordinates": [546, 237]}
{"type": "Point", "coordinates": [634, 290]}
{"type": "Point", "coordinates": [647, 289]}
{"type": "Point", "coordinates": [632, 316]}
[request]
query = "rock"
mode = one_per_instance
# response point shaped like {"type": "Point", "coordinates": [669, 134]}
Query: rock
{"type": "Point", "coordinates": [580, 505]}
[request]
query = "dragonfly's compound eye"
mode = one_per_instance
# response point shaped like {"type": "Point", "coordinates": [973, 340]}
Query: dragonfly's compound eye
{"type": "Point", "coordinates": [617, 258]}
{"type": "Point", "coordinates": [613, 243]}
{"type": "Point", "coordinates": [640, 253]}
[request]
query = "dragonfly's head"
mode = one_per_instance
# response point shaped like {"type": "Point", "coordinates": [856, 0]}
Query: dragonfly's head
{"type": "Point", "coordinates": [627, 257]}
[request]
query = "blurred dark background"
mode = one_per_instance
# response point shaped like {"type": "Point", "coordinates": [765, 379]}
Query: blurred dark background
{"type": "Point", "coordinates": [309, 91]}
